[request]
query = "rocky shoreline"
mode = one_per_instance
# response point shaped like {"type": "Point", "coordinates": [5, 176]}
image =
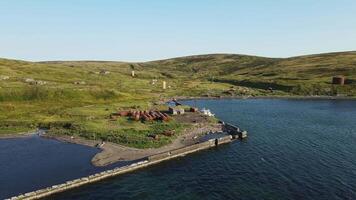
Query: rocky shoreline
{"type": "Point", "coordinates": [183, 98]}
{"type": "Point", "coordinates": [18, 135]}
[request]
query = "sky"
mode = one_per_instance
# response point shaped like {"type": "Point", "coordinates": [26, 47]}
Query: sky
{"type": "Point", "coordinates": [143, 30]}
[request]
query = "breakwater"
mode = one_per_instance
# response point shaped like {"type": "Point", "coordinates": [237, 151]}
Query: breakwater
{"type": "Point", "coordinates": [150, 160]}
{"type": "Point", "coordinates": [235, 131]}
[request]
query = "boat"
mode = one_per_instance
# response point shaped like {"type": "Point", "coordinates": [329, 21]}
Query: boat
{"type": "Point", "coordinates": [207, 112]}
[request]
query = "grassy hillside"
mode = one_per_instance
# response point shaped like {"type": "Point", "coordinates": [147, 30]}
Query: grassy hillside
{"type": "Point", "coordinates": [303, 75]}
{"type": "Point", "coordinates": [76, 92]}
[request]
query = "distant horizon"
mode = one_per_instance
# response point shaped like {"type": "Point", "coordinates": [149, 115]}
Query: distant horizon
{"type": "Point", "coordinates": [242, 54]}
{"type": "Point", "coordinates": [140, 31]}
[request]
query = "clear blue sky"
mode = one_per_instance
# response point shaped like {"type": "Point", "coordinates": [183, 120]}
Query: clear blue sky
{"type": "Point", "coordinates": [133, 30]}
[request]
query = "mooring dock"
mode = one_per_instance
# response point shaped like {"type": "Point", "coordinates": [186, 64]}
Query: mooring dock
{"type": "Point", "coordinates": [231, 133]}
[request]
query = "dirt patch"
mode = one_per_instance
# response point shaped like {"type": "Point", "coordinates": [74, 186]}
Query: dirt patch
{"type": "Point", "coordinates": [192, 118]}
{"type": "Point", "coordinates": [114, 152]}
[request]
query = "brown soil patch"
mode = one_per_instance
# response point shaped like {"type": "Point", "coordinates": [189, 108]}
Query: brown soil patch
{"type": "Point", "coordinates": [191, 118]}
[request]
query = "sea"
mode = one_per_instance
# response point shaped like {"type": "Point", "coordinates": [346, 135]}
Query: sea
{"type": "Point", "coordinates": [296, 149]}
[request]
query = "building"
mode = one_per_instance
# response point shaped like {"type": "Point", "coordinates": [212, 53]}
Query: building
{"type": "Point", "coordinates": [39, 82]}
{"type": "Point", "coordinates": [176, 110]}
{"type": "Point", "coordinates": [338, 80]}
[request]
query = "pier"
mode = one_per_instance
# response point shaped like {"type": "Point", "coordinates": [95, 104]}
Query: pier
{"type": "Point", "coordinates": [232, 133]}
{"type": "Point", "coordinates": [235, 131]}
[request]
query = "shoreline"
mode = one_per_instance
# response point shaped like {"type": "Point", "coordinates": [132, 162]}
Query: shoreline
{"type": "Point", "coordinates": [148, 161]}
{"type": "Point", "coordinates": [183, 98]}
{"type": "Point", "coordinates": [18, 135]}
{"type": "Point", "coordinates": [112, 153]}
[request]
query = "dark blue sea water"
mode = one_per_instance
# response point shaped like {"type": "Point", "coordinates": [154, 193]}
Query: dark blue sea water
{"type": "Point", "coordinates": [31, 163]}
{"type": "Point", "coordinates": [296, 149]}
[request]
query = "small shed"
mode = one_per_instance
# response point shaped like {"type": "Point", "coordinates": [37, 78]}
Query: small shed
{"type": "Point", "coordinates": [176, 110]}
{"type": "Point", "coordinates": [338, 80]}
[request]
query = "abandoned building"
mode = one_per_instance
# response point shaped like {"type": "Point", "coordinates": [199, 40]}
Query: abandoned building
{"type": "Point", "coordinates": [176, 110]}
{"type": "Point", "coordinates": [338, 80]}
{"type": "Point", "coordinates": [38, 83]}
{"type": "Point", "coordinates": [34, 82]}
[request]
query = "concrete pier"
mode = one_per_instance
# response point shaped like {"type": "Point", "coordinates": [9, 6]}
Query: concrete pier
{"type": "Point", "coordinates": [235, 131]}
{"type": "Point", "coordinates": [151, 160]}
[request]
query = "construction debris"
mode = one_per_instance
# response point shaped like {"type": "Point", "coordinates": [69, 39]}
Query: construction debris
{"type": "Point", "coordinates": [154, 136]}
{"type": "Point", "coordinates": [207, 112]}
{"type": "Point", "coordinates": [104, 72]}
{"type": "Point", "coordinates": [168, 133]}
{"type": "Point", "coordinates": [38, 83]}
{"type": "Point", "coordinates": [79, 82]}
{"type": "Point", "coordinates": [34, 82]}
{"type": "Point", "coordinates": [141, 115]}
{"type": "Point", "coordinates": [154, 81]}
{"type": "Point", "coordinates": [193, 109]}
{"type": "Point", "coordinates": [29, 80]}
{"type": "Point", "coordinates": [2, 77]}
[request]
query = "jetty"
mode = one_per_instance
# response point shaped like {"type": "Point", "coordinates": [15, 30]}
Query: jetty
{"type": "Point", "coordinates": [230, 133]}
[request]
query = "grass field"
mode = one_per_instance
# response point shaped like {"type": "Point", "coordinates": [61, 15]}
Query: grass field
{"type": "Point", "coordinates": [76, 93]}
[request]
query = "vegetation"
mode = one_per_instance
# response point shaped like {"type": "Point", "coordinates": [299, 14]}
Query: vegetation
{"type": "Point", "coordinates": [75, 98]}
{"type": "Point", "coordinates": [135, 134]}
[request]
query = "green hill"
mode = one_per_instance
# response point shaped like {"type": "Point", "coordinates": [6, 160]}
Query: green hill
{"type": "Point", "coordinates": [258, 72]}
{"type": "Point", "coordinates": [84, 93]}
